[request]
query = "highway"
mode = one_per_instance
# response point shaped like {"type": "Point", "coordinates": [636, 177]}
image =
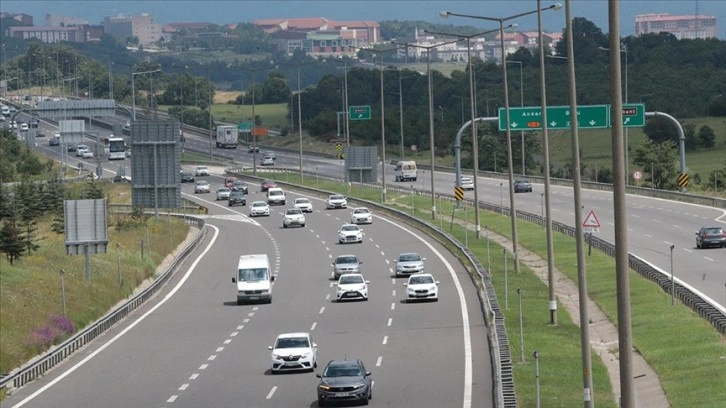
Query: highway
{"type": "Point", "coordinates": [193, 346]}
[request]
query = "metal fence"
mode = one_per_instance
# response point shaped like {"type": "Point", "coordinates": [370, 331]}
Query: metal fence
{"type": "Point", "coordinates": [56, 354]}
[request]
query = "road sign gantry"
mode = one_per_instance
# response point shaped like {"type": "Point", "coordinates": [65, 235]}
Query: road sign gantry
{"type": "Point", "coordinates": [560, 117]}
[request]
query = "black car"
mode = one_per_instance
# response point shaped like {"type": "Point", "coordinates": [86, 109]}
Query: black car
{"type": "Point", "coordinates": [236, 198]}
{"type": "Point", "coordinates": [34, 122]}
{"type": "Point", "coordinates": [54, 141]}
{"type": "Point", "coordinates": [711, 236]}
{"type": "Point", "coordinates": [187, 177]}
{"type": "Point", "coordinates": [344, 381]}
{"type": "Point", "coordinates": [239, 185]}
{"type": "Point", "coordinates": [522, 186]}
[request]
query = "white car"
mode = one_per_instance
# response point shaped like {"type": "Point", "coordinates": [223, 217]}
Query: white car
{"type": "Point", "coordinates": [259, 208]}
{"type": "Point", "coordinates": [361, 215]}
{"type": "Point", "coordinates": [350, 233]}
{"type": "Point", "coordinates": [422, 286]}
{"type": "Point", "coordinates": [201, 186]}
{"type": "Point", "coordinates": [408, 263]}
{"type": "Point", "coordinates": [87, 154]}
{"type": "Point", "coordinates": [466, 183]}
{"type": "Point", "coordinates": [336, 201]}
{"type": "Point", "coordinates": [294, 351]}
{"type": "Point", "coordinates": [267, 161]}
{"type": "Point", "coordinates": [201, 171]}
{"type": "Point", "coordinates": [303, 204]}
{"type": "Point", "coordinates": [292, 217]}
{"type": "Point", "coordinates": [24, 127]}
{"type": "Point", "coordinates": [351, 286]}
{"type": "Point", "coordinates": [80, 149]}
{"type": "Point", "coordinates": [223, 193]}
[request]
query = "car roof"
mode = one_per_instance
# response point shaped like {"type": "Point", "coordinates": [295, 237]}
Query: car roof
{"type": "Point", "coordinates": [292, 335]}
{"type": "Point", "coordinates": [346, 363]}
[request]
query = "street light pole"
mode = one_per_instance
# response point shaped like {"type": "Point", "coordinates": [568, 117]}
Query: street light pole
{"type": "Point", "coordinates": [133, 89]}
{"type": "Point", "coordinates": [624, 50]}
{"type": "Point", "coordinates": [521, 104]}
{"type": "Point", "coordinates": [512, 212]}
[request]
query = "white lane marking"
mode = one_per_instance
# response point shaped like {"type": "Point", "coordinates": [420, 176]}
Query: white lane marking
{"type": "Point", "coordinates": [227, 341]}
{"type": "Point", "coordinates": [194, 376]}
{"type": "Point", "coordinates": [272, 392]}
{"type": "Point", "coordinates": [385, 339]}
{"type": "Point", "coordinates": [648, 235]}
{"type": "Point", "coordinates": [687, 250]}
{"type": "Point", "coordinates": [247, 320]}
{"type": "Point", "coordinates": [327, 297]}
{"type": "Point", "coordinates": [658, 221]}
{"type": "Point", "coordinates": [468, 374]}
{"type": "Point", "coordinates": [708, 259]}
{"type": "Point", "coordinates": [203, 366]}
{"type": "Point", "coordinates": [234, 334]}
{"type": "Point", "coordinates": [388, 262]}
{"type": "Point", "coordinates": [667, 243]}
{"type": "Point", "coordinates": [377, 246]}
{"type": "Point", "coordinates": [378, 362]}
{"type": "Point", "coordinates": [239, 327]}
{"type": "Point", "coordinates": [313, 326]}
{"type": "Point", "coordinates": [316, 235]}
{"type": "Point", "coordinates": [677, 226]}
{"type": "Point", "coordinates": [250, 314]}
{"type": "Point", "coordinates": [212, 357]}
{"type": "Point", "coordinates": [322, 309]}
{"type": "Point", "coordinates": [393, 306]}
{"type": "Point", "coordinates": [390, 321]}
{"type": "Point", "coordinates": [172, 398]}
{"type": "Point", "coordinates": [393, 293]}
{"type": "Point", "coordinates": [256, 308]}
{"type": "Point", "coordinates": [635, 215]}
{"type": "Point", "coordinates": [219, 349]}
{"type": "Point", "coordinates": [183, 387]}
{"type": "Point", "coordinates": [130, 326]}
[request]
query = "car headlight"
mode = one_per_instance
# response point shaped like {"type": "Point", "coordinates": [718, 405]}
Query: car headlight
{"type": "Point", "coordinates": [277, 356]}
{"type": "Point", "coordinates": [324, 387]}
{"type": "Point", "coordinates": [359, 386]}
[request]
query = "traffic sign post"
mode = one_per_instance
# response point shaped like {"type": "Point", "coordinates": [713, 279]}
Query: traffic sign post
{"type": "Point", "coordinates": [591, 223]}
{"type": "Point", "coordinates": [245, 126]}
{"type": "Point", "coordinates": [361, 112]}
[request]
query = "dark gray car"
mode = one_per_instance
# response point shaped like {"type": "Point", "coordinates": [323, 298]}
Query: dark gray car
{"type": "Point", "coordinates": [344, 381]}
{"type": "Point", "coordinates": [711, 236]}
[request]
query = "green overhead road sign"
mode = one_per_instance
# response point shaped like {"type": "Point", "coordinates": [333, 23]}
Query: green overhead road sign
{"type": "Point", "coordinates": [362, 112]}
{"type": "Point", "coordinates": [245, 126]}
{"type": "Point", "coordinates": [633, 115]}
{"type": "Point", "coordinates": [558, 117]}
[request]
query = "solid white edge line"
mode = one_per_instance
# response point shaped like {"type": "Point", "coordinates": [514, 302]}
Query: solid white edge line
{"type": "Point", "coordinates": [127, 329]}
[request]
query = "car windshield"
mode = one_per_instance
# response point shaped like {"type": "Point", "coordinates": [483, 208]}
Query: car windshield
{"type": "Point", "coordinates": [252, 275]}
{"type": "Point", "coordinates": [361, 211]}
{"type": "Point", "coordinates": [346, 260]}
{"type": "Point", "coordinates": [258, 204]}
{"type": "Point", "coordinates": [223, 190]}
{"type": "Point", "coordinates": [274, 193]}
{"type": "Point", "coordinates": [236, 194]}
{"type": "Point", "coordinates": [409, 257]}
{"type": "Point", "coordinates": [337, 197]}
{"type": "Point", "coordinates": [301, 201]}
{"type": "Point", "coordinates": [350, 279]}
{"type": "Point", "coordinates": [202, 183]}
{"type": "Point", "coordinates": [292, 342]}
{"type": "Point", "coordinates": [415, 280]}
{"type": "Point", "coordinates": [293, 211]}
{"type": "Point", "coordinates": [713, 231]}
{"type": "Point", "coordinates": [342, 371]}
{"type": "Point", "coordinates": [350, 228]}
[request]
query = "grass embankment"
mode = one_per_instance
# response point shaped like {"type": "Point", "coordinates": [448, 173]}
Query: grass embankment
{"type": "Point", "coordinates": [31, 301]}
{"type": "Point", "coordinates": [685, 350]}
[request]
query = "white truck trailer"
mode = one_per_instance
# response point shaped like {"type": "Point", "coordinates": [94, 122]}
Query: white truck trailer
{"type": "Point", "coordinates": [227, 137]}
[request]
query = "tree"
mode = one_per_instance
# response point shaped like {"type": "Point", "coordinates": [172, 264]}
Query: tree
{"type": "Point", "coordinates": [275, 89]}
{"type": "Point", "coordinates": [662, 161]}
{"type": "Point", "coordinates": [11, 241]}
{"type": "Point", "coordinates": [706, 138]}
{"type": "Point", "coordinates": [659, 129]}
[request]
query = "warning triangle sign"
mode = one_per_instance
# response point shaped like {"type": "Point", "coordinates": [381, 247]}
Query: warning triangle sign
{"type": "Point", "coordinates": [591, 220]}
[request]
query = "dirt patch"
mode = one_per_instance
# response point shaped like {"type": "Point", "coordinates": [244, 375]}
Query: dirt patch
{"type": "Point", "coordinates": [226, 96]}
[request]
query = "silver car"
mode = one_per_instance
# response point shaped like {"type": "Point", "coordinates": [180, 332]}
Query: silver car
{"type": "Point", "coordinates": [346, 264]}
{"type": "Point", "coordinates": [223, 193]}
{"type": "Point", "coordinates": [408, 263]}
{"type": "Point", "coordinates": [201, 186]}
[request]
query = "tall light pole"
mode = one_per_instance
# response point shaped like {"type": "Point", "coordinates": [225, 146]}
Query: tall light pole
{"type": "Point", "coordinates": [624, 50]}
{"type": "Point", "coordinates": [299, 113]}
{"type": "Point", "coordinates": [431, 115]}
{"type": "Point", "coordinates": [133, 89]}
{"type": "Point", "coordinates": [254, 118]}
{"type": "Point", "coordinates": [474, 137]}
{"type": "Point", "coordinates": [512, 211]}
{"type": "Point", "coordinates": [345, 100]}
{"type": "Point", "coordinates": [521, 104]}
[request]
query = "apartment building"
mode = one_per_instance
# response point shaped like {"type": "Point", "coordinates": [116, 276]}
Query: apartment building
{"type": "Point", "coordinates": [682, 27]}
{"type": "Point", "coordinates": [141, 26]}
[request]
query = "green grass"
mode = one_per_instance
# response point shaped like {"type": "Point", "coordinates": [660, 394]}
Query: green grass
{"type": "Point", "coordinates": [271, 115]}
{"type": "Point", "coordinates": [30, 289]}
{"type": "Point", "coordinates": [673, 339]}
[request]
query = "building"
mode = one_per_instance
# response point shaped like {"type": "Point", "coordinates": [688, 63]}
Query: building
{"type": "Point", "coordinates": [141, 26]}
{"type": "Point", "coordinates": [53, 20]}
{"type": "Point", "coordinates": [320, 36]}
{"type": "Point", "coordinates": [53, 34]}
{"type": "Point", "coordinates": [682, 27]}
{"type": "Point", "coordinates": [26, 19]}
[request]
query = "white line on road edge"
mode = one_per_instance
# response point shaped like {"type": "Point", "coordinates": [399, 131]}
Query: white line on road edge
{"type": "Point", "coordinates": [127, 329]}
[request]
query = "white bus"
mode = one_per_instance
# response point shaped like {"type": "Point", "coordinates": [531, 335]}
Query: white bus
{"type": "Point", "coordinates": [115, 147]}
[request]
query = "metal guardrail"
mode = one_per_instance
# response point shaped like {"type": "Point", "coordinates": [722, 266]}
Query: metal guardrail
{"type": "Point", "coordinates": [502, 368]}
{"type": "Point", "coordinates": [56, 354]}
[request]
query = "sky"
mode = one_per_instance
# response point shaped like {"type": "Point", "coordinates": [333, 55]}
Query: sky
{"type": "Point", "coordinates": [229, 11]}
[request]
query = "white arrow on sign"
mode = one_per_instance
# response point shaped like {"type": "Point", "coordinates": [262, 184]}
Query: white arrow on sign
{"type": "Point", "coordinates": [626, 121]}
{"type": "Point", "coordinates": [553, 124]}
{"type": "Point", "coordinates": [591, 220]}
{"type": "Point", "coordinates": [592, 123]}
{"type": "Point", "coordinates": [513, 125]}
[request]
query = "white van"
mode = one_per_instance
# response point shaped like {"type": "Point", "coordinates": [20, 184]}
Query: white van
{"type": "Point", "coordinates": [254, 279]}
{"type": "Point", "coordinates": [275, 195]}
{"type": "Point", "coordinates": [5, 110]}
{"type": "Point", "coordinates": [405, 171]}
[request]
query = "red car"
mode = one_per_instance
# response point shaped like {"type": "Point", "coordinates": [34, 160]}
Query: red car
{"type": "Point", "coordinates": [266, 184]}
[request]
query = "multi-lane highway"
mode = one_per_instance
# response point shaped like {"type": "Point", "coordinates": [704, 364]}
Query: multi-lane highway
{"type": "Point", "coordinates": [193, 346]}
